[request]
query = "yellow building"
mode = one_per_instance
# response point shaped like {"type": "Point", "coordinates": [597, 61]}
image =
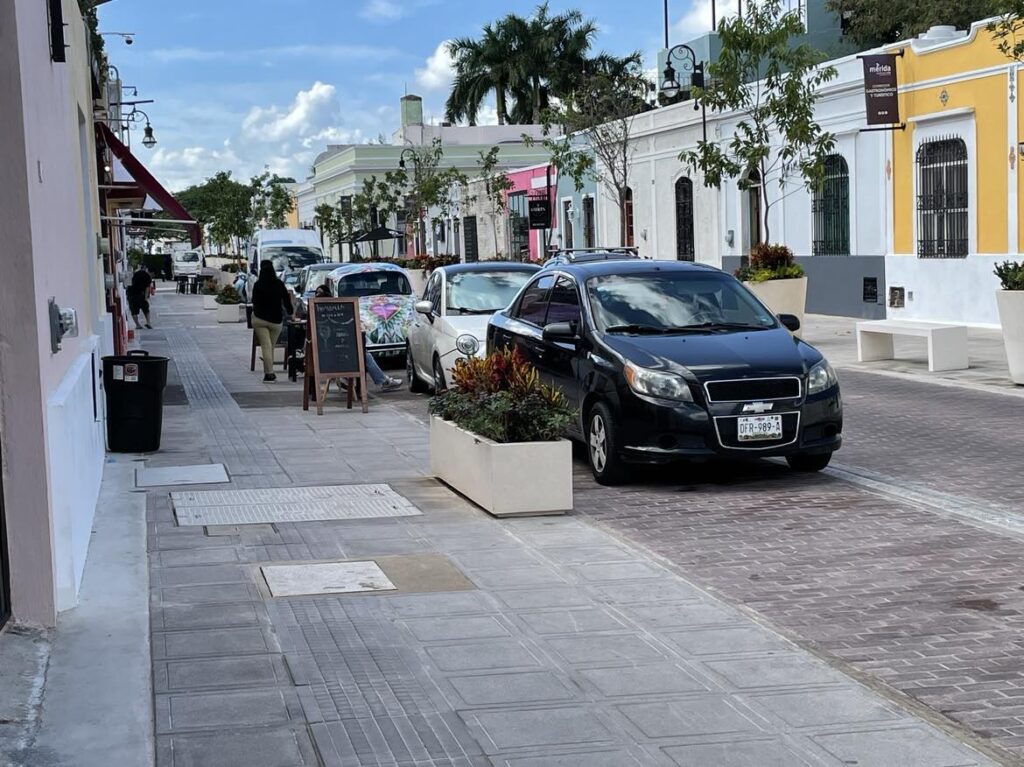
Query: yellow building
{"type": "Point", "coordinates": [292, 219]}
{"type": "Point", "coordinates": [953, 175]}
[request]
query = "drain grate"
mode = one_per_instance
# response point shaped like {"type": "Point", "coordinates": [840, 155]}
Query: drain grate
{"type": "Point", "coordinates": [297, 504]}
{"type": "Point", "coordinates": [326, 578]}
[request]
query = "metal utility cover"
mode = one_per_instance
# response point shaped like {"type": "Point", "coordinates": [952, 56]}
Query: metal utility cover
{"type": "Point", "coordinates": [294, 504]}
{"type": "Point", "coordinates": [199, 474]}
{"type": "Point", "coordinates": [328, 578]}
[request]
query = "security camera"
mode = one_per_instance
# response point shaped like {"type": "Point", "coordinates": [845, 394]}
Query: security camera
{"type": "Point", "coordinates": [128, 40]}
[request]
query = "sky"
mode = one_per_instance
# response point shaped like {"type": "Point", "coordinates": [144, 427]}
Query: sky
{"type": "Point", "coordinates": [241, 85]}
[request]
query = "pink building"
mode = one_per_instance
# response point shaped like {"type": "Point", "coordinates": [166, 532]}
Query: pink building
{"type": "Point", "coordinates": [536, 182]}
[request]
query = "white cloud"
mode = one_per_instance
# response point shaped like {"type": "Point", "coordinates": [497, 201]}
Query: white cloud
{"type": "Point", "coordinates": [382, 10]}
{"type": "Point", "coordinates": [439, 70]}
{"type": "Point", "coordinates": [697, 20]}
{"type": "Point", "coordinates": [305, 116]}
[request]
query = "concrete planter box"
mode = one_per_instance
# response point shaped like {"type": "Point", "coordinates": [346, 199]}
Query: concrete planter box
{"type": "Point", "coordinates": [1011, 317]}
{"type": "Point", "coordinates": [506, 480]}
{"type": "Point", "coordinates": [783, 296]}
{"type": "Point", "coordinates": [210, 302]}
{"type": "Point", "coordinates": [230, 312]}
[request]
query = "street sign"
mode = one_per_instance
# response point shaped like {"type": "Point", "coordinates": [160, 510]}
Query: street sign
{"type": "Point", "coordinates": [880, 94]}
{"type": "Point", "coordinates": [540, 213]}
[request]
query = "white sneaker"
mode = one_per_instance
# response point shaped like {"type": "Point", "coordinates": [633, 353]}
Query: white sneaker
{"type": "Point", "coordinates": [391, 384]}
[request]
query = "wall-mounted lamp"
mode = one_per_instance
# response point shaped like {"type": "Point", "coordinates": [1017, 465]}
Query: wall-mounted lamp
{"type": "Point", "coordinates": [1020, 149]}
{"type": "Point", "coordinates": [729, 237]}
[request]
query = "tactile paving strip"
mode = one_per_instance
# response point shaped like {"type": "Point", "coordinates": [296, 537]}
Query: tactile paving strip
{"type": "Point", "coordinates": [293, 504]}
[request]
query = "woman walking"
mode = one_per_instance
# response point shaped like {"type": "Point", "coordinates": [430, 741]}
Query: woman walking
{"type": "Point", "coordinates": [271, 303]}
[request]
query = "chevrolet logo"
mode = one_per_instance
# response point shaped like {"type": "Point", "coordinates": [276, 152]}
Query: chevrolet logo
{"type": "Point", "coordinates": [758, 407]}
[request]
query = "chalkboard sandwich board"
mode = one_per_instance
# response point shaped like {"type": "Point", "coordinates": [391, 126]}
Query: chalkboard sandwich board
{"type": "Point", "coordinates": [334, 350]}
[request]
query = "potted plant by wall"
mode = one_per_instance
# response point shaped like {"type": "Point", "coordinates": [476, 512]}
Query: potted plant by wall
{"type": "Point", "coordinates": [1010, 300]}
{"type": "Point", "coordinates": [229, 305]}
{"type": "Point", "coordinates": [496, 437]}
{"type": "Point", "coordinates": [774, 277]}
{"type": "Point", "coordinates": [210, 289]}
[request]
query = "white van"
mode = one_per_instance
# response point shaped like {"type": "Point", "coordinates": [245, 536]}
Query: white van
{"type": "Point", "coordinates": [186, 263]}
{"type": "Point", "coordinates": [288, 249]}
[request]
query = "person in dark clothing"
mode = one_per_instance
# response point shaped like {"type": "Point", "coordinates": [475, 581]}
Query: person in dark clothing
{"type": "Point", "coordinates": [138, 293]}
{"type": "Point", "coordinates": [168, 267]}
{"type": "Point", "coordinates": [271, 303]}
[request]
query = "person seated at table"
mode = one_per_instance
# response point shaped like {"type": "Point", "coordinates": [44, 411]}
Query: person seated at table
{"type": "Point", "coordinates": [384, 382]}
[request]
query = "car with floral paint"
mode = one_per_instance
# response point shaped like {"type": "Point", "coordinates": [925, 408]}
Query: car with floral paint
{"type": "Point", "coordinates": [386, 303]}
{"type": "Point", "coordinates": [451, 319]}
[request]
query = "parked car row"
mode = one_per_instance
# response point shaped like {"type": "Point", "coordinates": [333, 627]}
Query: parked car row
{"type": "Point", "coordinates": [662, 360]}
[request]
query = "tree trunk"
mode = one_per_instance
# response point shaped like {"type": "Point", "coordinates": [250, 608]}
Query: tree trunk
{"type": "Point", "coordinates": [622, 217]}
{"type": "Point", "coordinates": [767, 204]}
{"type": "Point", "coordinates": [536, 101]}
{"type": "Point", "coordinates": [499, 99]}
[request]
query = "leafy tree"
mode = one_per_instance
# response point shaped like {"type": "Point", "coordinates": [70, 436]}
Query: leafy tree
{"type": "Point", "coordinates": [374, 205]}
{"type": "Point", "coordinates": [271, 200]}
{"type": "Point", "coordinates": [871, 23]}
{"type": "Point", "coordinates": [222, 205]}
{"type": "Point", "coordinates": [430, 186]}
{"type": "Point", "coordinates": [328, 220]}
{"type": "Point", "coordinates": [601, 112]}
{"type": "Point", "coordinates": [481, 66]}
{"type": "Point", "coordinates": [772, 87]}
{"type": "Point", "coordinates": [1008, 29]}
{"type": "Point", "coordinates": [496, 187]}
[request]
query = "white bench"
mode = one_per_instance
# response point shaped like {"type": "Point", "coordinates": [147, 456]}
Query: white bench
{"type": "Point", "coordinates": [947, 344]}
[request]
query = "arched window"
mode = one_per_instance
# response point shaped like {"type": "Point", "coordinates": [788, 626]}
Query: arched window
{"type": "Point", "coordinates": [942, 199]}
{"type": "Point", "coordinates": [629, 239]}
{"type": "Point", "coordinates": [831, 209]}
{"type": "Point", "coordinates": [754, 223]}
{"type": "Point", "coordinates": [684, 220]}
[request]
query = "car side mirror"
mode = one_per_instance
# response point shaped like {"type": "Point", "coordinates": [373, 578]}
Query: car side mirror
{"type": "Point", "coordinates": [425, 307]}
{"type": "Point", "coordinates": [561, 331]}
{"type": "Point", "coordinates": [790, 322]}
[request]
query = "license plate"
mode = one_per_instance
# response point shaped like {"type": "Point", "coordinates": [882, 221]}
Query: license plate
{"type": "Point", "coordinates": [759, 427]}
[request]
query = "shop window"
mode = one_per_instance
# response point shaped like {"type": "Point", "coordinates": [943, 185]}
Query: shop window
{"type": "Point", "coordinates": [831, 209]}
{"type": "Point", "coordinates": [942, 199]}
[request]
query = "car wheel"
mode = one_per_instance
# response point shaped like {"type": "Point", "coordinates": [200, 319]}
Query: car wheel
{"type": "Point", "coordinates": [808, 461]}
{"type": "Point", "coordinates": [439, 383]}
{"type": "Point", "coordinates": [416, 385]}
{"type": "Point", "coordinates": [603, 446]}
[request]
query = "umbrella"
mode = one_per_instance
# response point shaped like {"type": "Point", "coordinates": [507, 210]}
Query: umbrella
{"type": "Point", "coordinates": [375, 235]}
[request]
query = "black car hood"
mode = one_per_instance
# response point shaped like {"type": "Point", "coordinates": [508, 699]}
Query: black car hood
{"type": "Point", "coordinates": [718, 354]}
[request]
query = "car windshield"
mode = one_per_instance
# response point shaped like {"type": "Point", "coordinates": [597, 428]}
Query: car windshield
{"type": "Point", "coordinates": [373, 284]}
{"type": "Point", "coordinates": [314, 279]}
{"type": "Point", "coordinates": [189, 257]}
{"type": "Point", "coordinates": [290, 257]}
{"type": "Point", "coordinates": [670, 301]}
{"type": "Point", "coordinates": [483, 292]}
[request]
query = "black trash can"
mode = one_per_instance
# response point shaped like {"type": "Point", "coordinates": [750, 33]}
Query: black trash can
{"type": "Point", "coordinates": [134, 386]}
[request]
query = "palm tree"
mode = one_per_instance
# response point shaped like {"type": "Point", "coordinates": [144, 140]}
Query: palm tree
{"type": "Point", "coordinates": [481, 66]}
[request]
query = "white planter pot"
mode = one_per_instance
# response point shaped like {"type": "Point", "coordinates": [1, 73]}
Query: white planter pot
{"type": "Point", "coordinates": [783, 296]}
{"type": "Point", "coordinates": [1011, 317]}
{"type": "Point", "coordinates": [506, 480]}
{"type": "Point", "coordinates": [210, 302]}
{"type": "Point", "coordinates": [230, 312]}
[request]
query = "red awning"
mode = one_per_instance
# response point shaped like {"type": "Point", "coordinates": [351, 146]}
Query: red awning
{"type": "Point", "coordinates": [148, 182]}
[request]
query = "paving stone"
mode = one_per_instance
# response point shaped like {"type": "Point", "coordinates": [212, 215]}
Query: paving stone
{"type": "Point", "coordinates": [199, 474]}
{"type": "Point", "coordinates": [777, 670]}
{"type": "Point", "coordinates": [884, 748]}
{"type": "Point", "coordinates": [610, 648]}
{"type": "Point", "coordinates": [196, 644]}
{"type": "Point", "coordinates": [197, 595]}
{"type": "Point", "coordinates": [241, 708]}
{"type": "Point", "coordinates": [452, 629]}
{"type": "Point", "coordinates": [204, 556]}
{"type": "Point", "coordinates": [736, 753]}
{"type": "Point", "coordinates": [824, 707]}
{"type": "Point", "coordinates": [571, 621]}
{"type": "Point", "coordinates": [439, 604]}
{"type": "Point", "coordinates": [201, 575]}
{"type": "Point", "coordinates": [224, 673]}
{"type": "Point", "coordinates": [580, 759]}
{"type": "Point", "coordinates": [519, 599]}
{"type": "Point", "coordinates": [517, 577]}
{"type": "Point", "coordinates": [511, 729]}
{"type": "Point", "coordinates": [501, 654]}
{"type": "Point", "coordinates": [498, 689]}
{"type": "Point", "coordinates": [682, 615]}
{"type": "Point", "coordinates": [496, 560]}
{"type": "Point", "coordinates": [655, 679]}
{"type": "Point", "coordinates": [727, 641]}
{"type": "Point", "coordinates": [685, 718]}
{"type": "Point", "coordinates": [272, 747]}
{"type": "Point", "coordinates": [617, 571]}
{"type": "Point", "coordinates": [663, 590]}
{"type": "Point", "coordinates": [173, 617]}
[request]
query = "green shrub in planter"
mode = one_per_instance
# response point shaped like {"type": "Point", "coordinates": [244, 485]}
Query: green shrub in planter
{"type": "Point", "coordinates": [228, 295]}
{"type": "Point", "coordinates": [501, 397]}
{"type": "Point", "coordinates": [1011, 275]}
{"type": "Point", "coordinates": [209, 287]}
{"type": "Point", "coordinates": [770, 262]}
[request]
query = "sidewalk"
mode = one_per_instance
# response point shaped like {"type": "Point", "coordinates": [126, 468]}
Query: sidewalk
{"type": "Point", "coordinates": [534, 642]}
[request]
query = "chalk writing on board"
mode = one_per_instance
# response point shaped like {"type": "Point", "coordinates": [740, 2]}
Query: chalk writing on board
{"type": "Point", "coordinates": [337, 338]}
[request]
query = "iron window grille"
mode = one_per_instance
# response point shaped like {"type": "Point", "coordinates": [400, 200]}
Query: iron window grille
{"type": "Point", "coordinates": [831, 210]}
{"type": "Point", "coordinates": [942, 199]}
{"type": "Point", "coordinates": [589, 235]}
{"type": "Point", "coordinates": [567, 228]}
{"type": "Point", "coordinates": [685, 250]}
{"type": "Point", "coordinates": [519, 224]}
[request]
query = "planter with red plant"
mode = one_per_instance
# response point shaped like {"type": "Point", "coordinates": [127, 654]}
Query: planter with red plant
{"type": "Point", "coordinates": [773, 276]}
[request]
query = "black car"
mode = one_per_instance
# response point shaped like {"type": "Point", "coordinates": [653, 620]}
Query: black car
{"type": "Point", "coordinates": [668, 360]}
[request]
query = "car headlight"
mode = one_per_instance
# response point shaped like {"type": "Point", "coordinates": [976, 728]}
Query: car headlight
{"type": "Point", "coordinates": [653, 383]}
{"type": "Point", "coordinates": [821, 377]}
{"type": "Point", "coordinates": [467, 344]}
